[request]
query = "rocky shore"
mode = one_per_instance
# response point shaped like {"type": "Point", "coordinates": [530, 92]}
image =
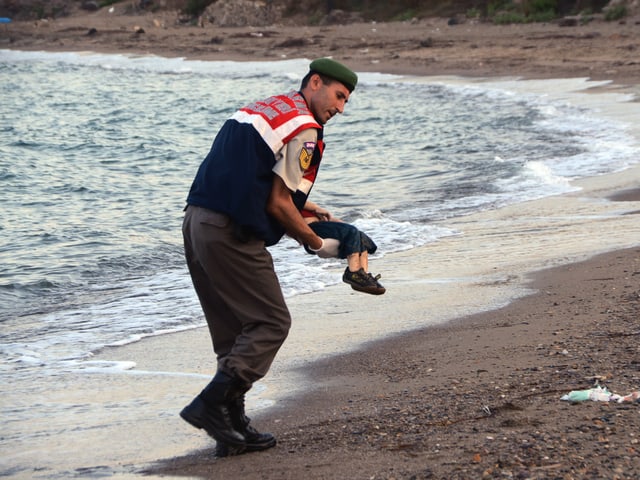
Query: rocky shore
{"type": "Point", "coordinates": [597, 49]}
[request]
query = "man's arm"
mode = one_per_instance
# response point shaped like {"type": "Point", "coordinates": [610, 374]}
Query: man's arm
{"type": "Point", "coordinates": [280, 206]}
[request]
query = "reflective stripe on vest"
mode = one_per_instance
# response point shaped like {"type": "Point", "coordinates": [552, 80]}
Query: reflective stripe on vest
{"type": "Point", "coordinates": [278, 119]}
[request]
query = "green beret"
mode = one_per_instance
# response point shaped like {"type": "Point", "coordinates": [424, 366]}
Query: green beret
{"type": "Point", "coordinates": [335, 70]}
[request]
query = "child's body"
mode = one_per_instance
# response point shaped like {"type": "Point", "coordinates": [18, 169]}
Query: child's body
{"type": "Point", "coordinates": [355, 246]}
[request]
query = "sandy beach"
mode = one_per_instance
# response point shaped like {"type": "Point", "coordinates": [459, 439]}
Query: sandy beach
{"type": "Point", "coordinates": [479, 394]}
{"type": "Point", "coordinates": [476, 398]}
{"type": "Point", "coordinates": [597, 49]}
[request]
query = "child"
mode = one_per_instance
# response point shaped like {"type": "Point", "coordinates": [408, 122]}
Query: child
{"type": "Point", "coordinates": [355, 246]}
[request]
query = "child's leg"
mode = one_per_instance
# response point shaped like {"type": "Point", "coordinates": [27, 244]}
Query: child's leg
{"type": "Point", "coordinates": [364, 261]}
{"type": "Point", "coordinates": [353, 261]}
{"type": "Point", "coordinates": [357, 261]}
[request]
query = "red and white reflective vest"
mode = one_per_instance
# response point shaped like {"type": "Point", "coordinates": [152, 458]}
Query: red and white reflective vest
{"type": "Point", "coordinates": [237, 175]}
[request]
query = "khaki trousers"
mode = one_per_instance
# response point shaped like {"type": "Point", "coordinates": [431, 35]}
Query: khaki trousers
{"type": "Point", "coordinates": [239, 293]}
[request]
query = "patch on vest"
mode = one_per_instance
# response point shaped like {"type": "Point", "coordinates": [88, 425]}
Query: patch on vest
{"type": "Point", "coordinates": [306, 154]}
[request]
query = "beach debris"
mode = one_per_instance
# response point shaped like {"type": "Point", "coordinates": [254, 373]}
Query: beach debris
{"type": "Point", "coordinates": [569, 21]}
{"type": "Point", "coordinates": [426, 43]}
{"type": "Point", "coordinates": [90, 5]}
{"type": "Point", "coordinates": [600, 394]}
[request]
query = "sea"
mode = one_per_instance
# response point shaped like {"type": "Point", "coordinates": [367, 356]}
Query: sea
{"type": "Point", "coordinates": [97, 154]}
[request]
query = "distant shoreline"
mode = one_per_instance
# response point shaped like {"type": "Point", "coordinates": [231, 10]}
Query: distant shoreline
{"type": "Point", "coordinates": [598, 50]}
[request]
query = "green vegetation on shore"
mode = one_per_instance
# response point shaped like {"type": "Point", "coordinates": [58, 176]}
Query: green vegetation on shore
{"type": "Point", "coordinates": [496, 11]}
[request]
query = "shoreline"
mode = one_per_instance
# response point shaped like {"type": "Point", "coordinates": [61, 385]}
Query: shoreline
{"type": "Point", "coordinates": [599, 50]}
{"type": "Point", "coordinates": [412, 406]}
{"type": "Point", "coordinates": [411, 403]}
{"type": "Point", "coordinates": [383, 411]}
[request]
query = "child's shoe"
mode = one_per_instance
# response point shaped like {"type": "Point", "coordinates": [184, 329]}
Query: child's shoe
{"type": "Point", "coordinates": [363, 282]}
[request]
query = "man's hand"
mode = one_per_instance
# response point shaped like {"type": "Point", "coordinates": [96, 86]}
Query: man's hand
{"type": "Point", "coordinates": [328, 249]}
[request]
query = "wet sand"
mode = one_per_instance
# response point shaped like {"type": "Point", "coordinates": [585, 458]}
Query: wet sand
{"type": "Point", "coordinates": [476, 398]}
{"type": "Point", "coordinates": [471, 397]}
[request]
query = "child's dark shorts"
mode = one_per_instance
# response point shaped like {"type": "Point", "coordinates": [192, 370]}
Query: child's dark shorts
{"type": "Point", "coordinates": [351, 239]}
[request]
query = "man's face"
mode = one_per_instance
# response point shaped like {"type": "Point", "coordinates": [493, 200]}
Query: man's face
{"type": "Point", "coordinates": [326, 100]}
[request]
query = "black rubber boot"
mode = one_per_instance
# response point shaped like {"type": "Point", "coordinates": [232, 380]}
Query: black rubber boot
{"type": "Point", "coordinates": [255, 441]}
{"type": "Point", "coordinates": [210, 411]}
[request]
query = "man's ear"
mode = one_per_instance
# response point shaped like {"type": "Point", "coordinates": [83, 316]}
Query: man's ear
{"type": "Point", "coordinates": [315, 81]}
